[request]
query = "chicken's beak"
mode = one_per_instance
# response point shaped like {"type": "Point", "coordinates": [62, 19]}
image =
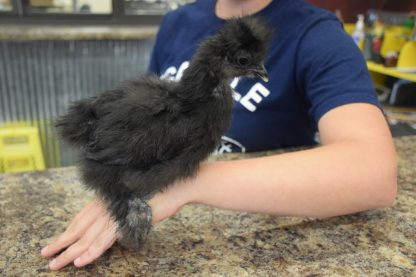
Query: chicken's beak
{"type": "Point", "coordinates": [260, 71]}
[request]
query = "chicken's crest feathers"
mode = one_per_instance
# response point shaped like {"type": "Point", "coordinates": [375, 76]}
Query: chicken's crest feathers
{"type": "Point", "coordinates": [250, 33]}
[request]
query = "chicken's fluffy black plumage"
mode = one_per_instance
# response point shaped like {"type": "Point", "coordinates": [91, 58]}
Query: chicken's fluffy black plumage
{"type": "Point", "coordinates": [137, 139]}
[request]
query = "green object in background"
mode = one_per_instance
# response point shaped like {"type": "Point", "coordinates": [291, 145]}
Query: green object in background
{"type": "Point", "coordinates": [409, 23]}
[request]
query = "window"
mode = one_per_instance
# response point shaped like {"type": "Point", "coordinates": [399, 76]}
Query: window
{"type": "Point", "coordinates": [5, 6]}
{"type": "Point", "coordinates": [69, 6]}
{"type": "Point", "coordinates": [138, 7]}
{"type": "Point", "coordinates": [86, 12]}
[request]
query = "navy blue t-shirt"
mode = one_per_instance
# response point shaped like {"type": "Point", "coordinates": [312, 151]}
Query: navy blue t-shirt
{"type": "Point", "coordinates": [313, 66]}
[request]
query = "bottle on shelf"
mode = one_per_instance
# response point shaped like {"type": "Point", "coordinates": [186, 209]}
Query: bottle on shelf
{"type": "Point", "coordinates": [359, 32]}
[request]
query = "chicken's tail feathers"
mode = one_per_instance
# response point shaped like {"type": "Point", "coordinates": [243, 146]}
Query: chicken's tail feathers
{"type": "Point", "coordinates": [78, 124]}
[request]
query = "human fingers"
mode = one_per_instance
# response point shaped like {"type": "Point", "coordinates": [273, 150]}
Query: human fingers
{"type": "Point", "coordinates": [75, 229]}
{"type": "Point", "coordinates": [93, 205]}
{"type": "Point", "coordinates": [80, 246]}
{"type": "Point", "coordinates": [104, 241]}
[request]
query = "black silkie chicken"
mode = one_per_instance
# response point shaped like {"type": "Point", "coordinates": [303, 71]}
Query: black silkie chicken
{"type": "Point", "coordinates": [137, 139]}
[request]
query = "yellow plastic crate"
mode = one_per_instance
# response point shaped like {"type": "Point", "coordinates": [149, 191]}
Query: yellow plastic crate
{"type": "Point", "coordinates": [407, 59]}
{"type": "Point", "coordinates": [395, 37]}
{"type": "Point", "coordinates": [20, 149]}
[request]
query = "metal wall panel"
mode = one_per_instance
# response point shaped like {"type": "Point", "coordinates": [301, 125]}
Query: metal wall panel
{"type": "Point", "coordinates": [38, 80]}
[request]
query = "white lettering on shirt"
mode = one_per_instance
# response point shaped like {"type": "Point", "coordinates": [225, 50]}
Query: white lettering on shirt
{"type": "Point", "coordinates": [229, 145]}
{"type": "Point", "coordinates": [233, 85]}
{"type": "Point", "coordinates": [183, 66]}
{"type": "Point", "coordinates": [254, 96]}
{"type": "Point", "coordinates": [169, 74]}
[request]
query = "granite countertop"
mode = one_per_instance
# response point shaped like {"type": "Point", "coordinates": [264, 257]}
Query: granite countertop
{"type": "Point", "coordinates": [47, 32]}
{"type": "Point", "coordinates": [204, 241]}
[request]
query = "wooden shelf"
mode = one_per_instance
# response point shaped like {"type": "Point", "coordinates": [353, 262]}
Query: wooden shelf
{"type": "Point", "coordinates": [390, 71]}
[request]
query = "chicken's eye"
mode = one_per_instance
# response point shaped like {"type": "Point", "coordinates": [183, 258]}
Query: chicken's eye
{"type": "Point", "coordinates": [242, 61]}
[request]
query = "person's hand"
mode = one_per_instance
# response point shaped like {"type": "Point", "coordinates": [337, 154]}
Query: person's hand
{"type": "Point", "coordinates": [89, 234]}
{"type": "Point", "coordinates": [92, 231]}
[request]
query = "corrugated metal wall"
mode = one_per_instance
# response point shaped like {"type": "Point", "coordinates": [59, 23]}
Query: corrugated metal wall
{"type": "Point", "coordinates": [38, 79]}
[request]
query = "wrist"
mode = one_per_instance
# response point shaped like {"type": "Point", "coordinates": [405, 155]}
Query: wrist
{"type": "Point", "coordinates": [189, 190]}
{"type": "Point", "coordinates": [195, 188]}
{"type": "Point", "coordinates": [169, 201]}
{"type": "Point", "coordinates": [186, 191]}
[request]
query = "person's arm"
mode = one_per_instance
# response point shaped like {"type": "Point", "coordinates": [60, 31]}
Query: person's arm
{"type": "Point", "coordinates": [354, 170]}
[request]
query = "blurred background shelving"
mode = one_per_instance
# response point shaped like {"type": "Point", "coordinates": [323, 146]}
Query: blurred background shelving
{"type": "Point", "coordinates": [379, 68]}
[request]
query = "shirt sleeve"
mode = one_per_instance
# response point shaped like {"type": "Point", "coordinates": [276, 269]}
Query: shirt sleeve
{"type": "Point", "coordinates": [332, 70]}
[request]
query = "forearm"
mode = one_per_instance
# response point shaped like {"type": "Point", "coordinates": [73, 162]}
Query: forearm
{"type": "Point", "coordinates": [332, 180]}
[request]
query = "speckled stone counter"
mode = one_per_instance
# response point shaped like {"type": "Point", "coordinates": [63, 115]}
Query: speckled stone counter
{"type": "Point", "coordinates": [35, 32]}
{"type": "Point", "coordinates": [203, 241]}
